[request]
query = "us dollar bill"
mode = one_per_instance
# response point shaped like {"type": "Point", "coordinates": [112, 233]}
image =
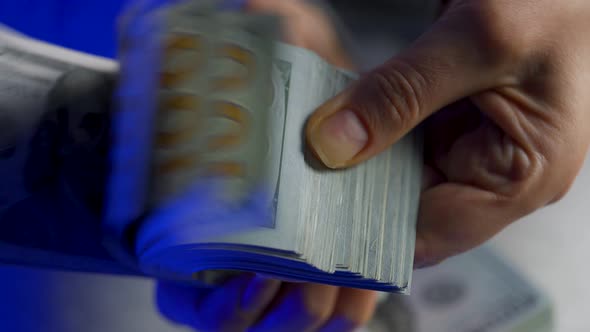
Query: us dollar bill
{"type": "Point", "coordinates": [55, 112]}
{"type": "Point", "coordinates": [475, 291]}
{"type": "Point", "coordinates": [42, 113]}
{"type": "Point", "coordinates": [215, 92]}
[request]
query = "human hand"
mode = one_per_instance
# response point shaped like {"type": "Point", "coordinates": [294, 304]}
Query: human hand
{"type": "Point", "coordinates": [501, 87]}
{"type": "Point", "coordinates": [257, 304]}
{"type": "Point", "coordinates": [307, 26]}
{"type": "Point", "coordinates": [253, 303]}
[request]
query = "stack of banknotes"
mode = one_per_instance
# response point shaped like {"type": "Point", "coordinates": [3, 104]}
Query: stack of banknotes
{"type": "Point", "coordinates": [233, 128]}
{"type": "Point", "coordinates": [210, 171]}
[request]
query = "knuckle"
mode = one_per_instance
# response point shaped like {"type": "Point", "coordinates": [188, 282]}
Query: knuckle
{"type": "Point", "coordinates": [399, 93]}
{"type": "Point", "coordinates": [535, 190]}
{"type": "Point", "coordinates": [558, 160]}
{"type": "Point", "coordinates": [498, 31]}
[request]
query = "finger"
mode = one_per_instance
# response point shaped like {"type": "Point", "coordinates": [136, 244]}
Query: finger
{"type": "Point", "coordinates": [301, 307]}
{"type": "Point", "coordinates": [490, 181]}
{"type": "Point", "coordinates": [231, 307]}
{"type": "Point", "coordinates": [455, 218]}
{"type": "Point", "coordinates": [354, 308]}
{"type": "Point", "coordinates": [452, 60]}
{"type": "Point", "coordinates": [493, 176]}
{"type": "Point", "coordinates": [236, 305]}
{"type": "Point", "coordinates": [481, 191]}
{"type": "Point", "coordinates": [178, 302]}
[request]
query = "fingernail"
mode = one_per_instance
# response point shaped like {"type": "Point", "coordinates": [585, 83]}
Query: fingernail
{"type": "Point", "coordinates": [258, 293]}
{"type": "Point", "coordinates": [339, 138]}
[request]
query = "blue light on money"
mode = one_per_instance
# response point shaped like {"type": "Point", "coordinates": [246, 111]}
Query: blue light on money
{"type": "Point", "coordinates": [202, 213]}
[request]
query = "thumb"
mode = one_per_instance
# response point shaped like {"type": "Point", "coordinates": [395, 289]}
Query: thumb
{"type": "Point", "coordinates": [447, 63]}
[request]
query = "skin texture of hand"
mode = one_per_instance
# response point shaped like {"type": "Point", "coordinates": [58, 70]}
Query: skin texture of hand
{"type": "Point", "coordinates": [502, 90]}
{"type": "Point", "coordinates": [252, 303]}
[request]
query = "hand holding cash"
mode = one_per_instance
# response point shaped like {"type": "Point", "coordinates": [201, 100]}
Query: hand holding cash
{"type": "Point", "coordinates": [502, 109]}
{"type": "Point", "coordinates": [300, 82]}
{"type": "Point", "coordinates": [335, 307]}
{"type": "Point", "coordinates": [211, 172]}
{"type": "Point", "coordinates": [502, 133]}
